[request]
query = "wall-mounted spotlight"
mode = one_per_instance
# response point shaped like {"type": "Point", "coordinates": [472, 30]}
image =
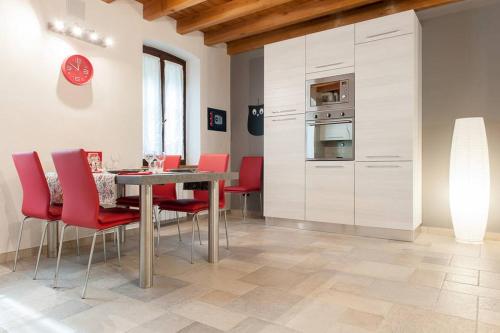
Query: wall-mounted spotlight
{"type": "Point", "coordinates": [79, 32]}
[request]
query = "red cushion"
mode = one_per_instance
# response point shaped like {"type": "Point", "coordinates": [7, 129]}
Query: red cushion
{"type": "Point", "coordinates": [55, 212]}
{"type": "Point", "coordinates": [186, 205]}
{"type": "Point", "coordinates": [134, 201]}
{"type": "Point", "coordinates": [118, 215]}
{"type": "Point", "coordinates": [241, 189]}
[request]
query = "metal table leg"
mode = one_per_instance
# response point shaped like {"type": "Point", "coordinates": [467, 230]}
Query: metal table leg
{"type": "Point", "coordinates": [213, 222]}
{"type": "Point", "coordinates": [146, 237]}
{"type": "Point", "coordinates": [52, 239]}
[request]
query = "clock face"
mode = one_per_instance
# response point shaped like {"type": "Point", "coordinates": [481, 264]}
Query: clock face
{"type": "Point", "coordinates": [77, 69]}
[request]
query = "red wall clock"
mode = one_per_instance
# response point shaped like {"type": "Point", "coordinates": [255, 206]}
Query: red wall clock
{"type": "Point", "coordinates": [77, 69]}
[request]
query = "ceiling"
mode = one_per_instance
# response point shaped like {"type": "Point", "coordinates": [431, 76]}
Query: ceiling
{"type": "Point", "coordinates": [249, 24]}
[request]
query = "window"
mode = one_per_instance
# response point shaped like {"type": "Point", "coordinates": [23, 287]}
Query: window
{"type": "Point", "coordinates": [164, 107]}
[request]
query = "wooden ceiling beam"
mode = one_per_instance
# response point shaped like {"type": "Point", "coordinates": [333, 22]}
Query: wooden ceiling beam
{"type": "Point", "coordinates": [332, 21]}
{"type": "Point", "coordinates": [281, 17]}
{"type": "Point", "coordinates": [225, 13]}
{"type": "Point", "coordinates": [154, 9]}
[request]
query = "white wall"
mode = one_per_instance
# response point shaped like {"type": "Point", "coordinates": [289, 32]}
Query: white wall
{"type": "Point", "coordinates": [40, 110]}
{"type": "Point", "coordinates": [461, 78]}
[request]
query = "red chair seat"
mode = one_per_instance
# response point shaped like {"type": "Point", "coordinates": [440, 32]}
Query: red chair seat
{"type": "Point", "coordinates": [55, 212]}
{"type": "Point", "coordinates": [116, 215]}
{"type": "Point", "coordinates": [134, 201]}
{"type": "Point", "coordinates": [186, 205]}
{"type": "Point", "coordinates": [241, 189]}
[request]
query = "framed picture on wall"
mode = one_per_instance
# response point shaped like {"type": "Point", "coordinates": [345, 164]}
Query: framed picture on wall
{"type": "Point", "coordinates": [216, 120]}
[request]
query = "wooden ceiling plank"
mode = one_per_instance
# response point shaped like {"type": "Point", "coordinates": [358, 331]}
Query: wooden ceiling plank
{"type": "Point", "coordinates": [225, 13]}
{"type": "Point", "coordinates": [332, 21]}
{"type": "Point", "coordinates": [281, 17]}
{"type": "Point", "coordinates": [158, 8]}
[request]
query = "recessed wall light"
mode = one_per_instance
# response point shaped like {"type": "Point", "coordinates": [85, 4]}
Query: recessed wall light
{"type": "Point", "coordinates": [58, 25]}
{"type": "Point", "coordinates": [94, 36]}
{"type": "Point", "coordinates": [108, 41]}
{"type": "Point", "coordinates": [76, 31]}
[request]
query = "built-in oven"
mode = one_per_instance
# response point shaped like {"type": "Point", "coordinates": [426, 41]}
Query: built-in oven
{"type": "Point", "coordinates": [330, 135]}
{"type": "Point", "coordinates": [330, 93]}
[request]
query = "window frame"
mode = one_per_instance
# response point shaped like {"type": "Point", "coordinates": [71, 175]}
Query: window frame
{"type": "Point", "coordinates": [169, 57]}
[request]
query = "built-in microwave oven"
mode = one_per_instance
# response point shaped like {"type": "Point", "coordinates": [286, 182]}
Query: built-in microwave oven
{"type": "Point", "coordinates": [330, 93]}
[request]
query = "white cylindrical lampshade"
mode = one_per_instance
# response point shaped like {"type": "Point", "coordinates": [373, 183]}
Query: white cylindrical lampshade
{"type": "Point", "coordinates": [469, 180]}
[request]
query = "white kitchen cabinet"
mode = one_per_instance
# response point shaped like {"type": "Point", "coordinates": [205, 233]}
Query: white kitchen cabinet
{"type": "Point", "coordinates": [284, 77]}
{"type": "Point", "coordinates": [384, 195]}
{"type": "Point", "coordinates": [386, 27]}
{"type": "Point", "coordinates": [387, 92]}
{"type": "Point", "coordinates": [330, 192]}
{"type": "Point", "coordinates": [284, 167]}
{"type": "Point", "coordinates": [330, 49]}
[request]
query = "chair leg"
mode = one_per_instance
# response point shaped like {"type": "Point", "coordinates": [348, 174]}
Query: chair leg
{"type": "Point", "coordinates": [178, 225]}
{"type": "Point", "coordinates": [104, 245]}
{"type": "Point", "coordinates": [156, 217]}
{"type": "Point", "coordinates": [59, 255]}
{"type": "Point", "coordinates": [261, 203]}
{"type": "Point", "coordinates": [117, 231]}
{"type": "Point", "coordinates": [242, 207]}
{"type": "Point", "coordinates": [19, 242]}
{"type": "Point", "coordinates": [77, 242]}
{"type": "Point", "coordinates": [44, 232]}
{"type": "Point", "coordinates": [245, 206]}
{"type": "Point", "coordinates": [198, 226]}
{"type": "Point", "coordinates": [84, 291]}
{"type": "Point", "coordinates": [225, 224]}
{"type": "Point", "coordinates": [192, 237]}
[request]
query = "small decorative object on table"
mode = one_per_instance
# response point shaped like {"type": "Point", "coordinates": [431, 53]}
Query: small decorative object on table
{"type": "Point", "coordinates": [95, 160]}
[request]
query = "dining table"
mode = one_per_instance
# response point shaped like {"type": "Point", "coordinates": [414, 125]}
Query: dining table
{"type": "Point", "coordinates": [145, 181]}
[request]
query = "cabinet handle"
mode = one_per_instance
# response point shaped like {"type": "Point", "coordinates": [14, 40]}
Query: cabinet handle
{"type": "Point", "coordinates": [383, 166]}
{"type": "Point", "coordinates": [383, 156]}
{"type": "Point", "coordinates": [285, 119]}
{"type": "Point", "coordinates": [328, 65]}
{"type": "Point", "coordinates": [282, 111]}
{"type": "Point", "coordinates": [383, 33]}
{"type": "Point", "coordinates": [329, 166]}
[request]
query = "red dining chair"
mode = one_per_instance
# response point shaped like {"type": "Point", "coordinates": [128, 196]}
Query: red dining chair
{"type": "Point", "coordinates": [250, 180]}
{"type": "Point", "coordinates": [81, 203]}
{"type": "Point", "coordinates": [160, 193]}
{"type": "Point", "coordinates": [200, 202]}
{"type": "Point", "coordinates": [36, 198]}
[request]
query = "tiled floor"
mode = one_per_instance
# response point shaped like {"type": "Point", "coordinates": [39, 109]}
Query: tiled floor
{"type": "Point", "coordinates": [271, 280]}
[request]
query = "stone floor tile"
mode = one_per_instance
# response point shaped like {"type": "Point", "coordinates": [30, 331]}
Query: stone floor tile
{"type": "Point", "coordinates": [457, 304]}
{"type": "Point", "coordinates": [208, 314]}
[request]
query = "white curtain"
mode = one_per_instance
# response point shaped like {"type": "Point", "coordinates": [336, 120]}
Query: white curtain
{"type": "Point", "coordinates": [174, 109]}
{"type": "Point", "coordinates": [151, 105]}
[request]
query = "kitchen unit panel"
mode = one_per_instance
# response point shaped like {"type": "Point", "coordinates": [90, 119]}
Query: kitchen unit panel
{"type": "Point", "coordinates": [330, 192]}
{"type": "Point", "coordinates": [384, 195]}
{"type": "Point", "coordinates": [386, 27]}
{"type": "Point", "coordinates": [330, 49]}
{"type": "Point", "coordinates": [386, 99]}
{"type": "Point", "coordinates": [284, 167]}
{"type": "Point", "coordinates": [284, 76]}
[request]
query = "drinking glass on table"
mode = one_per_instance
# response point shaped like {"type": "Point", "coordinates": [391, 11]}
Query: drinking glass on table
{"type": "Point", "coordinates": [115, 158]}
{"type": "Point", "coordinates": [149, 157]}
{"type": "Point", "coordinates": [160, 157]}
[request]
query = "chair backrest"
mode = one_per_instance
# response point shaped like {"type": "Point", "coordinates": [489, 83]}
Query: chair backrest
{"type": "Point", "coordinates": [36, 193]}
{"type": "Point", "coordinates": [251, 172]}
{"type": "Point", "coordinates": [81, 199]}
{"type": "Point", "coordinates": [168, 191]}
{"type": "Point", "coordinates": [213, 163]}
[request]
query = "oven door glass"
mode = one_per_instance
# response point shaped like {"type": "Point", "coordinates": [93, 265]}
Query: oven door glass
{"type": "Point", "coordinates": [329, 140]}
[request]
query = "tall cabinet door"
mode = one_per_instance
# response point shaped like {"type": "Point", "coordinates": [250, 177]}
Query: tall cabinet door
{"type": "Point", "coordinates": [384, 195]}
{"type": "Point", "coordinates": [284, 167]}
{"type": "Point", "coordinates": [386, 99]}
{"type": "Point", "coordinates": [284, 75]}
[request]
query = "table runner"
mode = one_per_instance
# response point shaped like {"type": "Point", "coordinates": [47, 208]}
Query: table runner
{"type": "Point", "coordinates": [105, 182]}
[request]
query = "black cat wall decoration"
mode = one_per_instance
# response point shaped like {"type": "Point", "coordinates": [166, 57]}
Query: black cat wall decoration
{"type": "Point", "coordinates": [256, 119]}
